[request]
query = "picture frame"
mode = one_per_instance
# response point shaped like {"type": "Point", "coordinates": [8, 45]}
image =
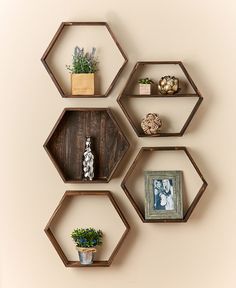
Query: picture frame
{"type": "Point", "coordinates": [163, 195]}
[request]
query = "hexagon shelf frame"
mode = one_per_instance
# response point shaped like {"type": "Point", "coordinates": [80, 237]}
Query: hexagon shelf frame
{"type": "Point", "coordinates": [56, 38]}
{"type": "Point", "coordinates": [71, 194]}
{"type": "Point", "coordinates": [126, 94]}
{"type": "Point", "coordinates": [66, 143]}
{"type": "Point", "coordinates": [134, 203]}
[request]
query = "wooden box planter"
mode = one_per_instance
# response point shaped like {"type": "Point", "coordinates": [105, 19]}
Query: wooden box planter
{"type": "Point", "coordinates": [82, 84]}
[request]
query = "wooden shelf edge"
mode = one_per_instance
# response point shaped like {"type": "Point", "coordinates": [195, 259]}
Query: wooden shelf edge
{"type": "Point", "coordinates": [85, 96]}
{"type": "Point", "coordinates": [94, 181]}
{"type": "Point", "coordinates": [94, 264]}
{"type": "Point", "coordinates": [160, 95]}
{"type": "Point", "coordinates": [161, 134]}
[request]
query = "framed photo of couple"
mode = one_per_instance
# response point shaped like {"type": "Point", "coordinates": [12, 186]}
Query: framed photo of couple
{"type": "Point", "coordinates": [163, 195]}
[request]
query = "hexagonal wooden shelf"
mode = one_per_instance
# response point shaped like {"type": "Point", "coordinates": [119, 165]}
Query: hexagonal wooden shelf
{"type": "Point", "coordinates": [131, 196]}
{"type": "Point", "coordinates": [70, 196]}
{"type": "Point", "coordinates": [188, 92]}
{"type": "Point", "coordinates": [65, 28]}
{"type": "Point", "coordinates": [66, 143]}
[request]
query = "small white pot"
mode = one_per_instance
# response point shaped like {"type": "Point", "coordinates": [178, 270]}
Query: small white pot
{"type": "Point", "coordinates": [145, 89]}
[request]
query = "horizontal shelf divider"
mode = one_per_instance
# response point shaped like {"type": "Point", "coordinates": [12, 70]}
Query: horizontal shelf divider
{"type": "Point", "coordinates": [159, 62]}
{"type": "Point", "coordinates": [160, 95]}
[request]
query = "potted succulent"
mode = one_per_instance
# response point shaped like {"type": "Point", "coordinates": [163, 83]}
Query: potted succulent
{"type": "Point", "coordinates": [145, 86]}
{"type": "Point", "coordinates": [82, 70]}
{"type": "Point", "coordinates": [86, 239]}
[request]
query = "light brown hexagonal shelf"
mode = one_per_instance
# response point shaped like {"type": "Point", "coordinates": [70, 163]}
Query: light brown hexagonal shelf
{"type": "Point", "coordinates": [60, 227]}
{"type": "Point", "coordinates": [66, 143]}
{"type": "Point", "coordinates": [175, 110]}
{"type": "Point", "coordinates": [86, 35]}
{"type": "Point", "coordinates": [161, 159]}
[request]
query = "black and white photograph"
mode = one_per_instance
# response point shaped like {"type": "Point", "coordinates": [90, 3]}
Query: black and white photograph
{"type": "Point", "coordinates": [163, 195]}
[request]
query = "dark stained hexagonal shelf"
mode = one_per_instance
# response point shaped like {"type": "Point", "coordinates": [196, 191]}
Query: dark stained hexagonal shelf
{"type": "Point", "coordinates": [66, 204]}
{"type": "Point", "coordinates": [87, 35]}
{"type": "Point", "coordinates": [150, 157]}
{"type": "Point", "coordinates": [182, 106]}
{"type": "Point", "coordinates": [66, 143]}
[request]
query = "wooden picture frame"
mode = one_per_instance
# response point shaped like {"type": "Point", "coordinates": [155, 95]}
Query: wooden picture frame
{"type": "Point", "coordinates": [163, 195]}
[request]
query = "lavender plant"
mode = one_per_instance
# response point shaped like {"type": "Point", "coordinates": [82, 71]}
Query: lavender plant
{"type": "Point", "coordinates": [83, 62]}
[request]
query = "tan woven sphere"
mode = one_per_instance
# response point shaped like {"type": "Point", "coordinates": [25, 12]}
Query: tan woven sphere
{"type": "Point", "coordinates": [151, 124]}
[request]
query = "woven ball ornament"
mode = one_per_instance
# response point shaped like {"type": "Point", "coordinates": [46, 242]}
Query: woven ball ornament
{"type": "Point", "coordinates": [151, 124]}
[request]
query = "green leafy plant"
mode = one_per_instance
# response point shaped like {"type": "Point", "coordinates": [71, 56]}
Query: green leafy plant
{"type": "Point", "coordinates": [88, 237]}
{"type": "Point", "coordinates": [145, 81]}
{"type": "Point", "coordinates": [83, 62]}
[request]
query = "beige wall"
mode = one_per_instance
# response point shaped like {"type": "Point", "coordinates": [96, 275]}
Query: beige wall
{"type": "Point", "coordinates": [200, 253]}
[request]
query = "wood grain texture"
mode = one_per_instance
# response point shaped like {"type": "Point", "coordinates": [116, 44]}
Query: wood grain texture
{"type": "Point", "coordinates": [66, 143]}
